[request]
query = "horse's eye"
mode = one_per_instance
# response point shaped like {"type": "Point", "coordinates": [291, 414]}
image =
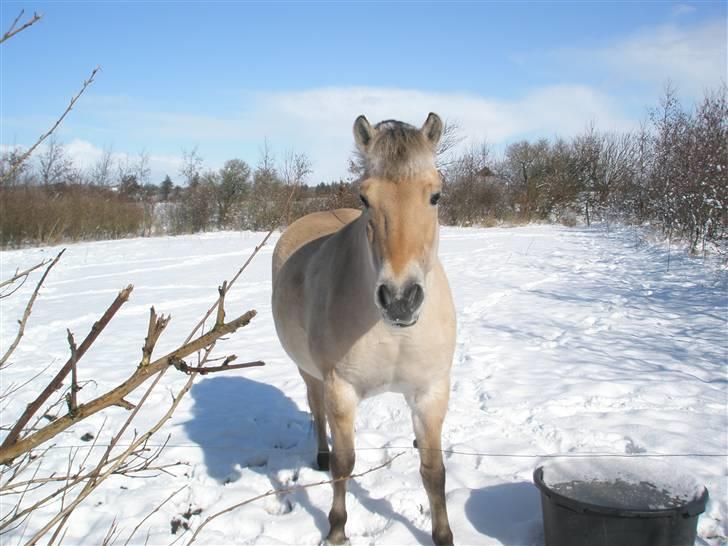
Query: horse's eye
{"type": "Point", "coordinates": [364, 201]}
{"type": "Point", "coordinates": [435, 198]}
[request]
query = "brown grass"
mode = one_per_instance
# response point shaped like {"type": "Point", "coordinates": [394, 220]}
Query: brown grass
{"type": "Point", "coordinates": [54, 214]}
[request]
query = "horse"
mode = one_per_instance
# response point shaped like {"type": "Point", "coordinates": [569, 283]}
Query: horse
{"type": "Point", "coordinates": [362, 305]}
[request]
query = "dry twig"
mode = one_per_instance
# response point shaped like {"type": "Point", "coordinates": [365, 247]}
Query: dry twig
{"type": "Point", "coordinates": [16, 164]}
{"type": "Point", "coordinates": [150, 514]}
{"type": "Point", "coordinates": [28, 310]}
{"type": "Point", "coordinates": [10, 450]}
{"type": "Point", "coordinates": [288, 490]}
{"type": "Point", "coordinates": [182, 366]}
{"type": "Point", "coordinates": [71, 396]}
{"type": "Point", "coordinates": [19, 274]}
{"type": "Point", "coordinates": [57, 381]}
{"type": "Point", "coordinates": [12, 31]}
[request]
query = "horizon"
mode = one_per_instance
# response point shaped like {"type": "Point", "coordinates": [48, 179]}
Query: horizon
{"type": "Point", "coordinates": [177, 76]}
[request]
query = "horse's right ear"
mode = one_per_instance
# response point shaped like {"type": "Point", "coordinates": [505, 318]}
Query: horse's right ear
{"type": "Point", "coordinates": [363, 133]}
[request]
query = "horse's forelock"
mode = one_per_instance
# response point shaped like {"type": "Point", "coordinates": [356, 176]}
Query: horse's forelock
{"type": "Point", "coordinates": [397, 151]}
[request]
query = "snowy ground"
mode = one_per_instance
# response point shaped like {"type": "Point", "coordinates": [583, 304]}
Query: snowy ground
{"type": "Point", "coordinates": [570, 341]}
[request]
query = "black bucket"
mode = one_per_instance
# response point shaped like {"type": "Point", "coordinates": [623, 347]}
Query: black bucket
{"type": "Point", "coordinates": [614, 512]}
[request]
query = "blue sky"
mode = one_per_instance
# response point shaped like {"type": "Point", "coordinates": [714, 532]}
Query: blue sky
{"type": "Point", "coordinates": [224, 76]}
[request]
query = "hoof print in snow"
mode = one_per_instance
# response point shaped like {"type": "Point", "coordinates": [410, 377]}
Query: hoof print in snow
{"type": "Point", "coordinates": [631, 447]}
{"type": "Point", "coordinates": [279, 507]}
{"type": "Point", "coordinates": [176, 523]}
{"type": "Point", "coordinates": [87, 437]}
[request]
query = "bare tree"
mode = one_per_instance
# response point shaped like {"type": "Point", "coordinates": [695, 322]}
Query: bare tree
{"type": "Point", "coordinates": [296, 167]}
{"type": "Point", "coordinates": [14, 171]}
{"type": "Point", "coordinates": [142, 170]}
{"type": "Point", "coordinates": [451, 138]}
{"type": "Point", "coordinates": [55, 167]}
{"type": "Point", "coordinates": [191, 168]}
{"type": "Point", "coordinates": [100, 173]}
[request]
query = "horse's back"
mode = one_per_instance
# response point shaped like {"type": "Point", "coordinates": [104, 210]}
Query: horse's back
{"type": "Point", "coordinates": [309, 228]}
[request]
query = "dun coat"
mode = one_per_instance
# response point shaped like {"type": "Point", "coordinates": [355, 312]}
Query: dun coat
{"type": "Point", "coordinates": [361, 304]}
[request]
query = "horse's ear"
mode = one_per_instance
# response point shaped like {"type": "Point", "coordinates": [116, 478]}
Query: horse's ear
{"type": "Point", "coordinates": [363, 133]}
{"type": "Point", "coordinates": [432, 129]}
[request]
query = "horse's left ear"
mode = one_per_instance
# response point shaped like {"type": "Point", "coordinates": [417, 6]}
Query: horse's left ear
{"type": "Point", "coordinates": [432, 129]}
{"type": "Point", "coordinates": [363, 133]}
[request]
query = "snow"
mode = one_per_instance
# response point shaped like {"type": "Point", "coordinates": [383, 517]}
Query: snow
{"type": "Point", "coordinates": [628, 483]}
{"type": "Point", "coordinates": [572, 342]}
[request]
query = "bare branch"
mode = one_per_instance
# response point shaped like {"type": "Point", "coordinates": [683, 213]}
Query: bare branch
{"type": "Point", "coordinates": [182, 366]}
{"type": "Point", "coordinates": [12, 31]}
{"type": "Point", "coordinates": [10, 450]}
{"type": "Point", "coordinates": [28, 310]}
{"type": "Point", "coordinates": [22, 274]}
{"type": "Point", "coordinates": [98, 475]}
{"type": "Point", "coordinates": [154, 330]}
{"type": "Point", "coordinates": [16, 165]}
{"type": "Point", "coordinates": [55, 384]}
{"type": "Point", "coordinates": [150, 514]}
{"type": "Point", "coordinates": [222, 290]}
{"type": "Point", "coordinates": [71, 396]}
{"type": "Point", "coordinates": [288, 490]}
{"type": "Point", "coordinates": [125, 404]}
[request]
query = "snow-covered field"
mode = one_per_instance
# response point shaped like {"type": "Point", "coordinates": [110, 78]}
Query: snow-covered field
{"type": "Point", "coordinates": [571, 341]}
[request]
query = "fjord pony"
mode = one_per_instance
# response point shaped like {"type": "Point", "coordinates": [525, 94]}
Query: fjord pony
{"type": "Point", "coordinates": [362, 305]}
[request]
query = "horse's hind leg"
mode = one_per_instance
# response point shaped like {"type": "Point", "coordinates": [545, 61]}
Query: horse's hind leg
{"type": "Point", "coordinates": [315, 392]}
{"type": "Point", "coordinates": [428, 412]}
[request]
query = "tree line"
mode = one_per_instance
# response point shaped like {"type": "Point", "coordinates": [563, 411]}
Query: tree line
{"type": "Point", "coordinates": [669, 173]}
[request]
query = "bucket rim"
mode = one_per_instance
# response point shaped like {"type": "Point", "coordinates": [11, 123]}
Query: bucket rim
{"type": "Point", "coordinates": [692, 508]}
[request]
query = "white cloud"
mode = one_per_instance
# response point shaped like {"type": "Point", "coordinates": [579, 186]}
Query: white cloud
{"type": "Point", "coordinates": [694, 58]}
{"type": "Point", "coordinates": [85, 154]}
{"type": "Point", "coordinates": [319, 121]}
{"type": "Point", "coordinates": [678, 10]}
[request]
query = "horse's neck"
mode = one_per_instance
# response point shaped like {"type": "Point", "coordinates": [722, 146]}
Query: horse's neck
{"type": "Point", "coordinates": [351, 260]}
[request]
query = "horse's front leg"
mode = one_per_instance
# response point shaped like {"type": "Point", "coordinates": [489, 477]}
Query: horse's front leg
{"type": "Point", "coordinates": [341, 401]}
{"type": "Point", "coordinates": [428, 412]}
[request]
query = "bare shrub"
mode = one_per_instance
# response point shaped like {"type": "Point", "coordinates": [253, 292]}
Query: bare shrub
{"type": "Point", "coordinates": [65, 212]}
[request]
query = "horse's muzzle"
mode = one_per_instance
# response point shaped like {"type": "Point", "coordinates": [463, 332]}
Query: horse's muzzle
{"type": "Point", "coordinates": [401, 309]}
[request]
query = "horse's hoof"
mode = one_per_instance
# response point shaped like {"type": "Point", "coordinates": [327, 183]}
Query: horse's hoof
{"type": "Point", "coordinates": [327, 542]}
{"type": "Point", "coordinates": [414, 442]}
{"type": "Point", "coordinates": [322, 460]}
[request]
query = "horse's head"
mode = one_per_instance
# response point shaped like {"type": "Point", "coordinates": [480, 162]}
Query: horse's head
{"type": "Point", "coordinates": [400, 190]}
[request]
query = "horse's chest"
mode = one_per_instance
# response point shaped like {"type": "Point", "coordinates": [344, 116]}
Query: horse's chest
{"type": "Point", "coordinates": [386, 363]}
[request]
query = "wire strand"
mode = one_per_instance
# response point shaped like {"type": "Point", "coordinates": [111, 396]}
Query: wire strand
{"type": "Point", "coordinates": [573, 455]}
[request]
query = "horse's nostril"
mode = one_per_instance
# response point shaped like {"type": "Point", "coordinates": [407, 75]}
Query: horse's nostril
{"type": "Point", "coordinates": [414, 296]}
{"type": "Point", "coordinates": [384, 296]}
